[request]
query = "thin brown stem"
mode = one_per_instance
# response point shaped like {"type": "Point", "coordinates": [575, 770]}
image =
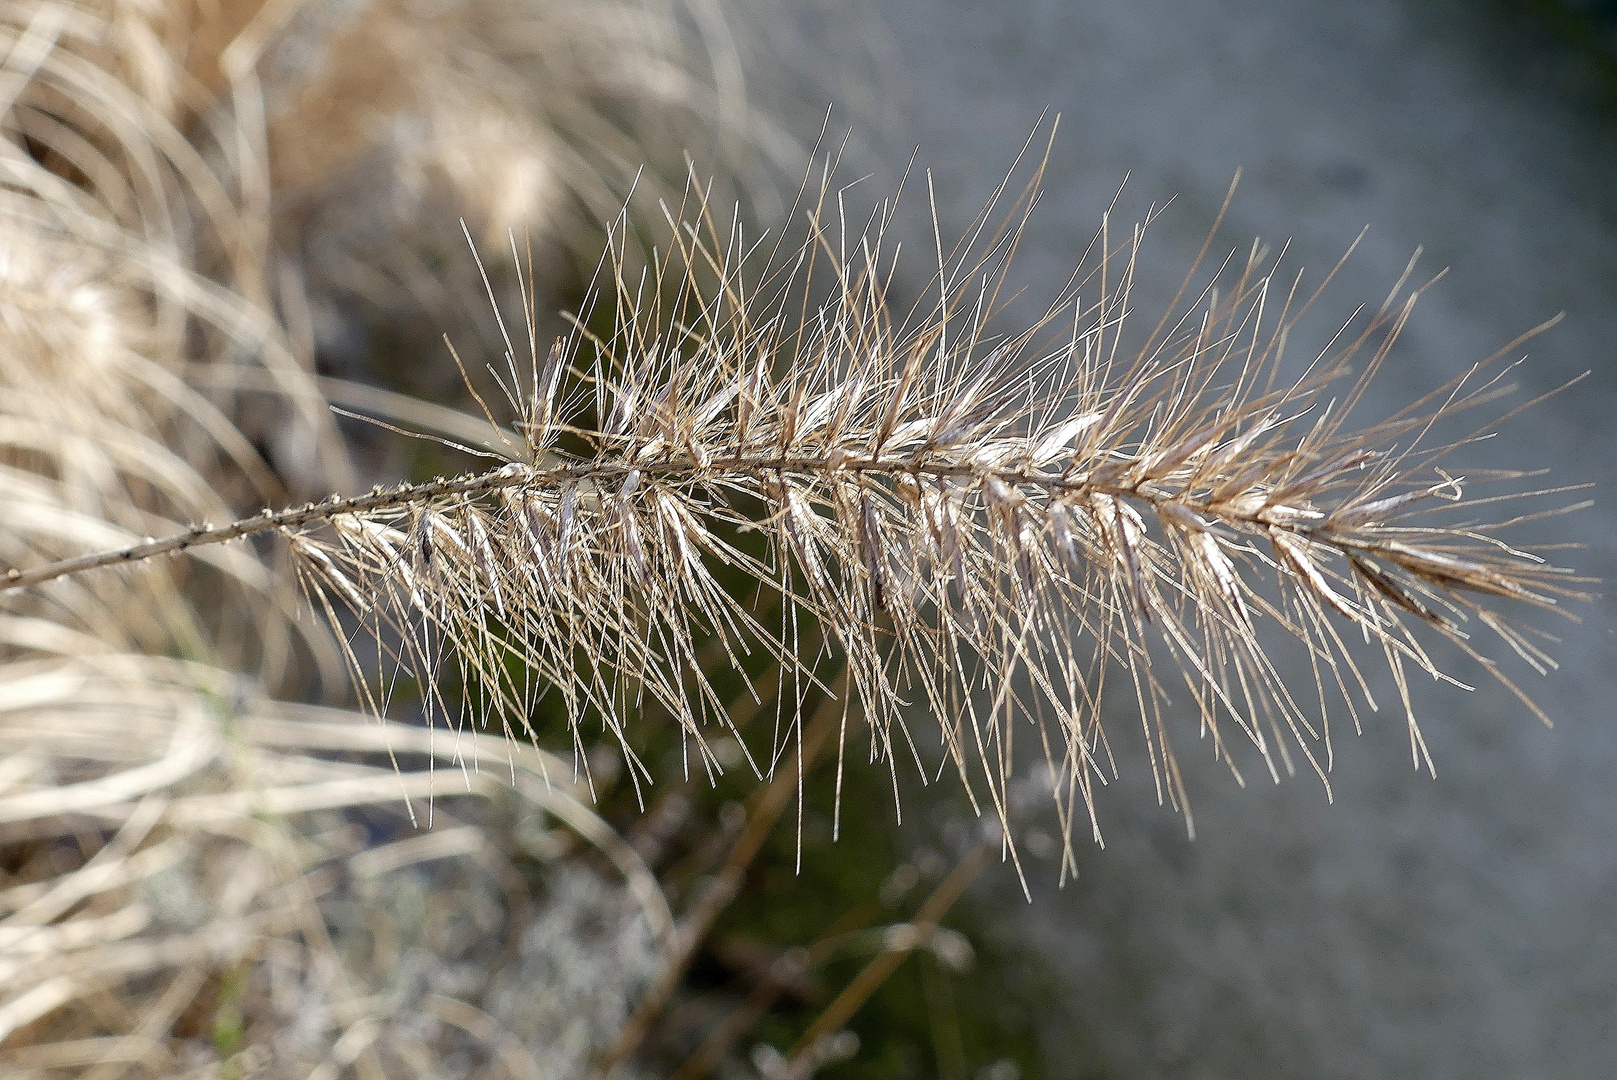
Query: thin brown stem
{"type": "Point", "coordinates": [291, 518]}
{"type": "Point", "coordinates": [721, 891]}
{"type": "Point", "coordinates": [789, 967]}
{"type": "Point", "coordinates": [515, 475]}
{"type": "Point", "coordinates": [869, 980]}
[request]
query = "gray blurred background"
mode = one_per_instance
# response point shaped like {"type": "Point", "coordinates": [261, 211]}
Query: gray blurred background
{"type": "Point", "coordinates": [1462, 926]}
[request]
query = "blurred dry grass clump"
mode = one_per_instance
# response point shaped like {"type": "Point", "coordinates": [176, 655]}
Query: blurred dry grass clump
{"type": "Point", "coordinates": [188, 885]}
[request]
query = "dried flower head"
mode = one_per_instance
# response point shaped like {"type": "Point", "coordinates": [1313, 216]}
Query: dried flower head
{"type": "Point", "coordinates": [995, 530]}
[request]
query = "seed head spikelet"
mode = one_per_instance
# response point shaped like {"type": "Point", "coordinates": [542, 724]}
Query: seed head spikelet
{"type": "Point", "coordinates": [991, 529]}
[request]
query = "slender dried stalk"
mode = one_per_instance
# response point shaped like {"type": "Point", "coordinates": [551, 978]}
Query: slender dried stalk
{"type": "Point", "coordinates": [720, 892]}
{"type": "Point", "coordinates": [993, 527]}
{"type": "Point", "coordinates": [869, 980]}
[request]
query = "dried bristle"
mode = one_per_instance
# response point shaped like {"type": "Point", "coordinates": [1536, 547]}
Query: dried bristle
{"type": "Point", "coordinates": [982, 524]}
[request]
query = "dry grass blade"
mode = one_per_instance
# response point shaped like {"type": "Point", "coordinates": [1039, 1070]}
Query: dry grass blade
{"type": "Point", "coordinates": [207, 889]}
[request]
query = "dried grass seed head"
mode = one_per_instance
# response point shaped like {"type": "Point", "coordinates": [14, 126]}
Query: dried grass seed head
{"type": "Point", "coordinates": [991, 529]}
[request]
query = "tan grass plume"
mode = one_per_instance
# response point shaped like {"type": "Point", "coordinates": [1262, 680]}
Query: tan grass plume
{"type": "Point", "coordinates": [998, 528]}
